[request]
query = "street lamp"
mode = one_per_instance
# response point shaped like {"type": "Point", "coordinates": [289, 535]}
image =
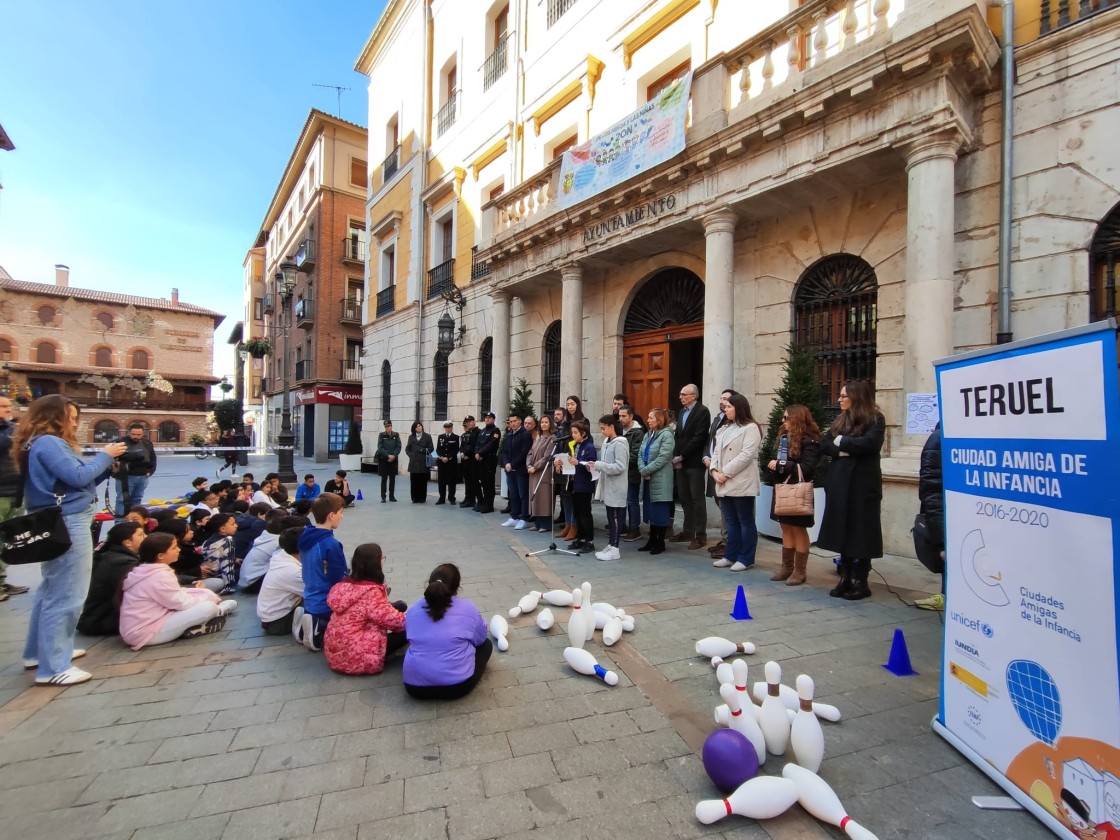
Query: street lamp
{"type": "Point", "coordinates": [285, 288]}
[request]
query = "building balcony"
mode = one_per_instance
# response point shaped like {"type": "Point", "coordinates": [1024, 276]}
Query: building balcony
{"type": "Point", "coordinates": [268, 304]}
{"type": "Point", "coordinates": [445, 116]}
{"type": "Point", "coordinates": [1058, 14]}
{"type": "Point", "coordinates": [386, 300]}
{"type": "Point", "coordinates": [441, 279]}
{"type": "Point", "coordinates": [557, 8]}
{"type": "Point", "coordinates": [305, 314]}
{"type": "Point", "coordinates": [305, 369]}
{"type": "Point", "coordinates": [148, 403]}
{"type": "Point", "coordinates": [353, 250]}
{"type": "Point", "coordinates": [350, 370]}
{"type": "Point", "coordinates": [264, 385]}
{"type": "Point", "coordinates": [391, 164]}
{"type": "Point", "coordinates": [305, 256]}
{"type": "Point", "coordinates": [496, 63]}
{"type": "Point", "coordinates": [479, 268]}
{"type": "Point", "coordinates": [351, 311]}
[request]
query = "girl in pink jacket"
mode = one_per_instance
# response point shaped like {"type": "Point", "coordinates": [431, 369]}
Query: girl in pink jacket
{"type": "Point", "coordinates": [365, 627]}
{"type": "Point", "coordinates": [156, 610]}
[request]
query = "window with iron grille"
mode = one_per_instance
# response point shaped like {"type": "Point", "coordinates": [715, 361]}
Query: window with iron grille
{"type": "Point", "coordinates": [485, 374]}
{"type": "Point", "coordinates": [556, 9]}
{"type": "Point", "coordinates": [1104, 257]}
{"type": "Point", "coordinates": [834, 316]}
{"type": "Point", "coordinates": [440, 396]}
{"type": "Point", "coordinates": [386, 390]}
{"type": "Point", "coordinates": [550, 374]}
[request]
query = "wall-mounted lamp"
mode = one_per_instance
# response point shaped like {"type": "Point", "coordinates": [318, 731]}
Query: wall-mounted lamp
{"type": "Point", "coordinates": [450, 336]}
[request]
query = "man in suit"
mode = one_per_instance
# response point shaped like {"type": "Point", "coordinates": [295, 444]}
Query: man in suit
{"type": "Point", "coordinates": [447, 463]}
{"type": "Point", "coordinates": [710, 484]}
{"type": "Point", "coordinates": [691, 437]}
{"type": "Point", "coordinates": [467, 442]}
{"type": "Point", "coordinates": [515, 450]}
{"type": "Point", "coordinates": [486, 459]}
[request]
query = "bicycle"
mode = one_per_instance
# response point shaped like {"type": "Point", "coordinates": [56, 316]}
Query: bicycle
{"type": "Point", "coordinates": [205, 451]}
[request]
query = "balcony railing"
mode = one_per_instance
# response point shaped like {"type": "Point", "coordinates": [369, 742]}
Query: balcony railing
{"type": "Point", "coordinates": [353, 250]}
{"type": "Point", "coordinates": [350, 370]}
{"type": "Point", "coordinates": [478, 267]}
{"type": "Point", "coordinates": [264, 384]}
{"type": "Point", "coordinates": [496, 63]}
{"type": "Point", "coordinates": [304, 370]}
{"type": "Point", "coordinates": [305, 313]}
{"type": "Point", "coordinates": [351, 310]}
{"type": "Point", "coordinates": [305, 255]}
{"type": "Point", "coordinates": [268, 304]}
{"type": "Point", "coordinates": [441, 279]}
{"type": "Point", "coordinates": [133, 403]}
{"type": "Point", "coordinates": [445, 116]}
{"type": "Point", "coordinates": [391, 164]}
{"type": "Point", "coordinates": [386, 300]}
{"type": "Point", "coordinates": [1058, 14]}
{"type": "Point", "coordinates": [556, 9]}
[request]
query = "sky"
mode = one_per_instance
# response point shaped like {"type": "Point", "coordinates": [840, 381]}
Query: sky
{"type": "Point", "coordinates": [150, 137]}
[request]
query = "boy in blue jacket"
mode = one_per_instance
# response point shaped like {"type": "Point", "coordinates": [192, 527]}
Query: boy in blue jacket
{"type": "Point", "coordinates": [324, 565]}
{"type": "Point", "coordinates": [308, 490]}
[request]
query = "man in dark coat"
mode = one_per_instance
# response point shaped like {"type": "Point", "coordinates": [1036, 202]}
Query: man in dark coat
{"type": "Point", "coordinates": [468, 469]}
{"type": "Point", "coordinates": [447, 463]}
{"type": "Point", "coordinates": [388, 451]}
{"type": "Point", "coordinates": [133, 468]}
{"type": "Point", "coordinates": [688, 463]}
{"type": "Point", "coordinates": [486, 459]}
{"type": "Point", "coordinates": [931, 496]}
{"type": "Point", "coordinates": [515, 451]}
{"type": "Point", "coordinates": [9, 488]}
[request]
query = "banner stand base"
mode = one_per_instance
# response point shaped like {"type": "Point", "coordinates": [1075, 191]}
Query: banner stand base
{"type": "Point", "coordinates": [1040, 813]}
{"type": "Point", "coordinates": [996, 803]}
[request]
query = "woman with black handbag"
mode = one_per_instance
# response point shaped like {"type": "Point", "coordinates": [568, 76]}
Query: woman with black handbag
{"type": "Point", "coordinates": [54, 475]}
{"type": "Point", "coordinates": [799, 452]}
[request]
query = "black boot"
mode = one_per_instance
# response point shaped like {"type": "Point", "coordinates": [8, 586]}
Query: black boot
{"type": "Point", "coordinates": [859, 588]}
{"type": "Point", "coordinates": [651, 543]}
{"type": "Point", "coordinates": [659, 539]}
{"type": "Point", "coordinates": [845, 583]}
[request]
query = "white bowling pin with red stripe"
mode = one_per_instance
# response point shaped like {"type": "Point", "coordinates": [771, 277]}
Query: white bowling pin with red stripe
{"type": "Point", "coordinates": [821, 801]}
{"type": "Point", "coordinates": [760, 798]}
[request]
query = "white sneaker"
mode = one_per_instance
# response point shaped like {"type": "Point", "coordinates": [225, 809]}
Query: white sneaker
{"type": "Point", "coordinates": [228, 607]}
{"type": "Point", "coordinates": [605, 554]}
{"type": "Point", "coordinates": [615, 553]}
{"type": "Point", "coordinates": [297, 625]}
{"type": "Point", "coordinates": [521, 525]}
{"type": "Point", "coordinates": [78, 653]}
{"type": "Point", "coordinates": [722, 563]}
{"type": "Point", "coordinates": [307, 631]}
{"type": "Point", "coordinates": [71, 676]}
{"type": "Point", "coordinates": [509, 522]}
{"type": "Point", "coordinates": [738, 567]}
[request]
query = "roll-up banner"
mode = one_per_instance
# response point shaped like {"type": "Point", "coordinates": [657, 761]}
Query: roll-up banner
{"type": "Point", "coordinates": [1030, 682]}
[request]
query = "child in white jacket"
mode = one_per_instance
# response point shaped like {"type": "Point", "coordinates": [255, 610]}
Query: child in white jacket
{"type": "Point", "coordinates": [156, 610]}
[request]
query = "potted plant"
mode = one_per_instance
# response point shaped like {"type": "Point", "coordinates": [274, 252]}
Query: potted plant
{"type": "Point", "coordinates": [799, 386]}
{"type": "Point", "coordinates": [351, 457]}
{"type": "Point", "coordinates": [258, 348]}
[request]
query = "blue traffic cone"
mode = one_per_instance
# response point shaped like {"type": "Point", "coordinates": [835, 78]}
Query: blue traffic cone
{"type": "Point", "coordinates": [898, 663]}
{"type": "Point", "coordinates": [358, 498]}
{"type": "Point", "coordinates": [740, 612]}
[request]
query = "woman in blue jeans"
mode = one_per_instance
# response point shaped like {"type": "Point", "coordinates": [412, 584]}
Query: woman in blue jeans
{"type": "Point", "coordinates": [45, 449]}
{"type": "Point", "coordinates": [734, 468]}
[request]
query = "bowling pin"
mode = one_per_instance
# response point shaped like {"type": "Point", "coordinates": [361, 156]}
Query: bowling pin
{"type": "Point", "coordinates": [589, 618]}
{"type": "Point", "coordinates": [743, 723]}
{"type": "Point", "coordinates": [603, 606]}
{"type": "Point", "coordinates": [499, 629]}
{"type": "Point", "coordinates": [715, 646]}
{"type": "Point", "coordinates": [577, 630]}
{"type": "Point", "coordinates": [772, 717]}
{"type": "Point", "coordinates": [601, 619]}
{"type": "Point", "coordinates": [557, 597]}
{"type": "Point", "coordinates": [724, 673]}
{"type": "Point", "coordinates": [526, 604]}
{"type": "Point", "coordinates": [793, 702]}
{"type": "Point", "coordinates": [545, 619]}
{"type": "Point", "coordinates": [761, 798]}
{"type": "Point", "coordinates": [627, 622]}
{"type": "Point", "coordinates": [805, 735]}
{"type": "Point", "coordinates": [612, 630]}
{"type": "Point", "coordinates": [582, 661]}
{"type": "Point", "coordinates": [821, 801]}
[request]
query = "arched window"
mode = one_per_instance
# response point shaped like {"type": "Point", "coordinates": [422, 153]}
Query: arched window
{"type": "Point", "coordinates": [440, 370]}
{"type": "Point", "coordinates": [485, 374]}
{"type": "Point", "coordinates": [1104, 257]}
{"type": "Point", "coordinates": [106, 431]}
{"type": "Point", "coordinates": [168, 432]}
{"type": "Point", "coordinates": [47, 315]}
{"type": "Point", "coordinates": [386, 390]}
{"type": "Point", "coordinates": [103, 357]}
{"type": "Point", "coordinates": [550, 368]}
{"type": "Point", "coordinates": [140, 360]}
{"type": "Point", "coordinates": [5, 350]}
{"type": "Point", "coordinates": [105, 320]}
{"type": "Point", "coordinates": [45, 353]}
{"type": "Point", "coordinates": [834, 316]}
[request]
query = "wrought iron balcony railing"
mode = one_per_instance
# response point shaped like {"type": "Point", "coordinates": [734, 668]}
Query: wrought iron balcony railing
{"type": "Point", "coordinates": [557, 8]}
{"type": "Point", "coordinates": [478, 267]}
{"type": "Point", "coordinates": [445, 116]}
{"type": "Point", "coordinates": [353, 250]}
{"type": "Point", "coordinates": [305, 255]}
{"type": "Point", "coordinates": [350, 370]}
{"type": "Point", "coordinates": [305, 313]}
{"type": "Point", "coordinates": [496, 63]}
{"type": "Point", "coordinates": [305, 369]}
{"type": "Point", "coordinates": [351, 310]}
{"type": "Point", "coordinates": [391, 164]}
{"type": "Point", "coordinates": [441, 279]}
{"type": "Point", "coordinates": [386, 300]}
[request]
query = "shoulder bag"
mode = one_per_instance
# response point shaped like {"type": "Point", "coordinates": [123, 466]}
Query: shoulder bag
{"type": "Point", "coordinates": [34, 537]}
{"type": "Point", "coordinates": [794, 498]}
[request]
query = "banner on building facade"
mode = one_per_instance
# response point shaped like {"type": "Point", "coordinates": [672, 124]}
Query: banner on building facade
{"type": "Point", "coordinates": [649, 136]}
{"type": "Point", "coordinates": [1030, 681]}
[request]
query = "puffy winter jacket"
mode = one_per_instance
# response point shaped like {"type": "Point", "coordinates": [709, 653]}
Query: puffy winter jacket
{"type": "Point", "coordinates": [151, 593]}
{"type": "Point", "coordinates": [931, 489]}
{"type": "Point", "coordinates": [101, 613]}
{"type": "Point", "coordinates": [361, 616]}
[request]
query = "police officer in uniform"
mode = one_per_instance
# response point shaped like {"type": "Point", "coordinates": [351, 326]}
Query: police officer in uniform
{"type": "Point", "coordinates": [467, 465]}
{"type": "Point", "coordinates": [486, 458]}
{"type": "Point", "coordinates": [447, 463]}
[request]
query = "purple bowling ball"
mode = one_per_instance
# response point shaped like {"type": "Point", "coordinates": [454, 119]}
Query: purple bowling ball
{"type": "Point", "coordinates": [729, 758]}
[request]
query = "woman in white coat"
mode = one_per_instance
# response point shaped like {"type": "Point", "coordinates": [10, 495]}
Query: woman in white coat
{"type": "Point", "coordinates": [613, 467]}
{"type": "Point", "coordinates": [734, 469]}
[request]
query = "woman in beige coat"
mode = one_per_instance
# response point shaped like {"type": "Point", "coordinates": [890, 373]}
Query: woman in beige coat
{"type": "Point", "coordinates": [539, 462]}
{"type": "Point", "coordinates": [734, 469]}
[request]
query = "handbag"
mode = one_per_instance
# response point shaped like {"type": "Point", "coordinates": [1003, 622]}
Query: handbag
{"type": "Point", "coordinates": [34, 537]}
{"type": "Point", "coordinates": [429, 459]}
{"type": "Point", "coordinates": [794, 498]}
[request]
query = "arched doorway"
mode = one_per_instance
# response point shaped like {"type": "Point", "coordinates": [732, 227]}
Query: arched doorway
{"type": "Point", "coordinates": [663, 344]}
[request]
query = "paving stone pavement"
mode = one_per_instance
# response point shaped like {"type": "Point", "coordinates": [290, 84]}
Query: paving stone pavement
{"type": "Point", "coordinates": [240, 735]}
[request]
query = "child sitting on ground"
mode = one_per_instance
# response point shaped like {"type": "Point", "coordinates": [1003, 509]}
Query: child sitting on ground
{"type": "Point", "coordinates": [365, 627]}
{"type": "Point", "coordinates": [281, 596]}
{"type": "Point", "coordinates": [324, 565]}
{"type": "Point", "coordinates": [201, 483]}
{"type": "Point", "coordinates": [255, 564]}
{"type": "Point", "coordinates": [111, 565]}
{"type": "Point", "coordinates": [139, 513]}
{"type": "Point", "coordinates": [155, 609]}
{"type": "Point", "coordinates": [219, 558]}
{"type": "Point", "coordinates": [308, 490]}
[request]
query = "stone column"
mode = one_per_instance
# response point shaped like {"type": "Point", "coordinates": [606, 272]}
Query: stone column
{"type": "Point", "coordinates": [930, 164]}
{"type": "Point", "coordinates": [719, 305]}
{"type": "Point", "coordinates": [571, 331]}
{"type": "Point", "coordinates": [499, 375]}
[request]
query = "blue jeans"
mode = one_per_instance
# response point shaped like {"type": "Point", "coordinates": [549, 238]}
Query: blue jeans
{"type": "Point", "coordinates": [633, 510]}
{"type": "Point", "coordinates": [742, 534]}
{"type": "Point", "coordinates": [517, 486]}
{"type": "Point", "coordinates": [137, 484]}
{"type": "Point", "coordinates": [566, 507]}
{"type": "Point", "coordinates": [59, 599]}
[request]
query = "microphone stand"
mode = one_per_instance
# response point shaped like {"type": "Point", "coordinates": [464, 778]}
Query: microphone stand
{"type": "Point", "coordinates": [552, 519]}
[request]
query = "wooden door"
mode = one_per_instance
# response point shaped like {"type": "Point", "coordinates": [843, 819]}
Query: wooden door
{"type": "Point", "coordinates": [645, 372]}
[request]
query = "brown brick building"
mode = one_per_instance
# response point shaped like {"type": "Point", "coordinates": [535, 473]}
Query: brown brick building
{"type": "Point", "coordinates": [121, 357]}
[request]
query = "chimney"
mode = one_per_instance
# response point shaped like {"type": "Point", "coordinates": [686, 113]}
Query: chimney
{"type": "Point", "coordinates": [62, 275]}
{"type": "Point", "coordinates": [174, 297]}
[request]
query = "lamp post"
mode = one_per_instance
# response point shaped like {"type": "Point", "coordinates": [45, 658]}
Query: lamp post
{"type": "Point", "coordinates": [285, 288]}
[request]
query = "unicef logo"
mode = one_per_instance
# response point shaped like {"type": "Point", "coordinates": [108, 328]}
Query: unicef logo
{"type": "Point", "coordinates": [987, 630]}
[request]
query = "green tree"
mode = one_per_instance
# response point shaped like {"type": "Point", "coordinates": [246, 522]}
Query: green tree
{"type": "Point", "coordinates": [799, 386]}
{"type": "Point", "coordinates": [227, 413]}
{"type": "Point", "coordinates": [522, 402]}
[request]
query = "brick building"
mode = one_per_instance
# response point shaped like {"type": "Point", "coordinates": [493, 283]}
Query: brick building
{"type": "Point", "coordinates": [120, 357]}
